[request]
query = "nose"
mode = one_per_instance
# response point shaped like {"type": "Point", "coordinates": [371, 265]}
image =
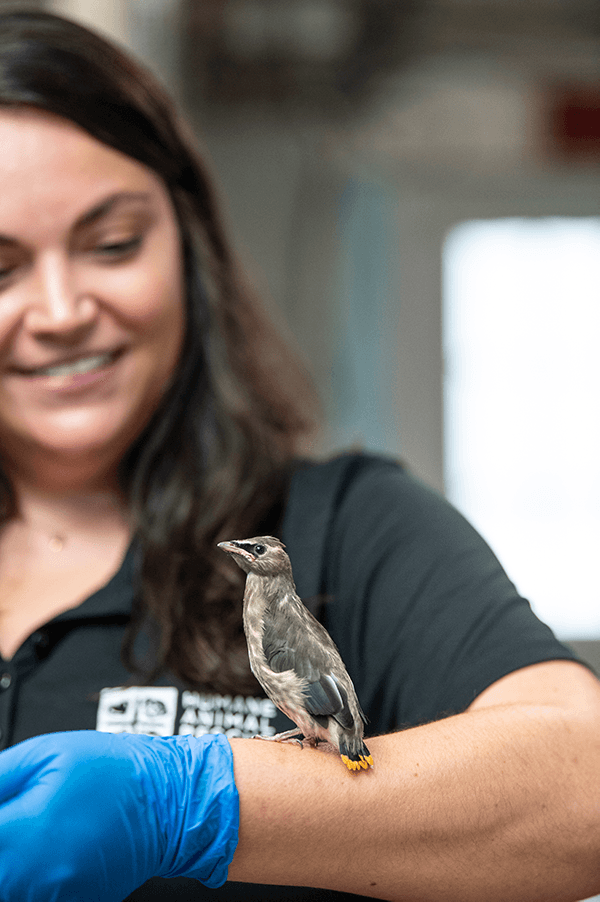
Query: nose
{"type": "Point", "coordinates": [58, 307]}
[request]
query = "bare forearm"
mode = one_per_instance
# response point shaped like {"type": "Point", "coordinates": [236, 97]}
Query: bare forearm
{"type": "Point", "coordinates": [500, 803]}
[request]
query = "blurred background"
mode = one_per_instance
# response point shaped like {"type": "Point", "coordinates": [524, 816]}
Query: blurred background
{"type": "Point", "coordinates": [415, 189]}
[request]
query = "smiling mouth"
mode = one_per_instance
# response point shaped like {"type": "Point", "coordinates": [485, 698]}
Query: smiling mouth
{"type": "Point", "coordinates": [78, 367]}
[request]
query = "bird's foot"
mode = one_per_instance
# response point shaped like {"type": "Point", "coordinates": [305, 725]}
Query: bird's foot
{"type": "Point", "coordinates": [288, 736]}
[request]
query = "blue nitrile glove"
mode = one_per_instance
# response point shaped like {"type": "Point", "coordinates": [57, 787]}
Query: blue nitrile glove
{"type": "Point", "coordinates": [91, 816]}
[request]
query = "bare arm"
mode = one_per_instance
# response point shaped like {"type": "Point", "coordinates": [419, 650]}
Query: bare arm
{"type": "Point", "coordinates": [501, 802]}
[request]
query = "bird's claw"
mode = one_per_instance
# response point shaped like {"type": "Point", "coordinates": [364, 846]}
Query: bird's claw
{"type": "Point", "coordinates": [288, 736]}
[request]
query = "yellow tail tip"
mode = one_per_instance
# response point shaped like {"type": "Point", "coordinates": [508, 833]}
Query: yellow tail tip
{"type": "Point", "coordinates": [364, 762]}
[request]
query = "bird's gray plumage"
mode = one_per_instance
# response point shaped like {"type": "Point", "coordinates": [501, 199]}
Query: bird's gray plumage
{"type": "Point", "coordinates": [293, 656]}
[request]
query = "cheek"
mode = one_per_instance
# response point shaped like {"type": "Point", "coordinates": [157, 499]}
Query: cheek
{"type": "Point", "coordinates": [149, 299]}
{"type": "Point", "coordinates": [160, 322]}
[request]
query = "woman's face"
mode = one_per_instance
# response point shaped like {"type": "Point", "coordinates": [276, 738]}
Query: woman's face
{"type": "Point", "coordinates": [91, 292]}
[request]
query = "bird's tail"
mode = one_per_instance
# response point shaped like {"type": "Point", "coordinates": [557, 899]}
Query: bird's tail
{"type": "Point", "coordinates": [355, 755]}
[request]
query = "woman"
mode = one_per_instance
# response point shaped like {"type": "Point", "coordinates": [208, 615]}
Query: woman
{"type": "Point", "coordinates": [225, 427]}
{"type": "Point", "coordinates": [146, 412]}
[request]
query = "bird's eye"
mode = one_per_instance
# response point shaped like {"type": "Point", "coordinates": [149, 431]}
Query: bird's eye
{"type": "Point", "coordinates": [260, 549]}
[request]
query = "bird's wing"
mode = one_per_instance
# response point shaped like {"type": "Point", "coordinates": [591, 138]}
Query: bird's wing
{"type": "Point", "coordinates": [301, 644]}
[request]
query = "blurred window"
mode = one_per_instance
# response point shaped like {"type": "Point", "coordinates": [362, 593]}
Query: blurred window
{"type": "Point", "coordinates": [521, 324]}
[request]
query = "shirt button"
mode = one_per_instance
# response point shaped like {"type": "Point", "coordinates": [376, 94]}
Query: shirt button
{"type": "Point", "coordinates": [5, 680]}
{"type": "Point", "coordinates": [40, 641]}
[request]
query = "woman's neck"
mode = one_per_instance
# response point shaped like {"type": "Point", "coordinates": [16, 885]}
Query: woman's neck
{"type": "Point", "coordinates": [58, 549]}
{"type": "Point", "coordinates": [79, 508]}
{"type": "Point", "coordinates": [62, 499]}
{"type": "Point", "coordinates": [59, 474]}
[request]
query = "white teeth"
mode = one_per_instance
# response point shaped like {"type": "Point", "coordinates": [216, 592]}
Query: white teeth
{"type": "Point", "coordinates": [83, 365]}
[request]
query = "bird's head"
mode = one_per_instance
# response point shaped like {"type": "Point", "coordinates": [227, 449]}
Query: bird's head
{"type": "Point", "coordinates": [263, 555]}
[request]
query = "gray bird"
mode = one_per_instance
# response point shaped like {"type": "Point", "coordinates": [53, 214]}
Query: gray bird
{"type": "Point", "coordinates": [293, 656]}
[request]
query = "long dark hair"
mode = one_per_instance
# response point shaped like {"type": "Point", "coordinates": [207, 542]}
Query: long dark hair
{"type": "Point", "coordinates": [214, 460]}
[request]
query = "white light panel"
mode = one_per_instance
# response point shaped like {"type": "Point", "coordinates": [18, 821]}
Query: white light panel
{"type": "Point", "coordinates": [521, 323]}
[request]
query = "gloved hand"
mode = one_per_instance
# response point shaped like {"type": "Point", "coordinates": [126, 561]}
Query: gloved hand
{"type": "Point", "coordinates": [91, 816]}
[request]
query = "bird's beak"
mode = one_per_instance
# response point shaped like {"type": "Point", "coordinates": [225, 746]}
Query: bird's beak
{"type": "Point", "coordinates": [232, 548]}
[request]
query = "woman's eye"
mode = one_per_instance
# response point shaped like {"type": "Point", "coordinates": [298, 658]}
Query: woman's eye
{"type": "Point", "coordinates": [6, 271]}
{"type": "Point", "coordinates": [119, 249]}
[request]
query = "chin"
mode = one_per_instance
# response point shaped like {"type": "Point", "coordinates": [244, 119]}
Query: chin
{"type": "Point", "coordinates": [101, 436]}
{"type": "Point", "coordinates": [71, 448]}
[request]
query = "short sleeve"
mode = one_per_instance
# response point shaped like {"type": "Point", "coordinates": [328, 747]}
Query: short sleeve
{"type": "Point", "coordinates": [421, 609]}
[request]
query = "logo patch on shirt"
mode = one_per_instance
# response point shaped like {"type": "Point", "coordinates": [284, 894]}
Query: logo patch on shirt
{"type": "Point", "coordinates": [233, 716]}
{"type": "Point", "coordinates": [138, 709]}
{"type": "Point", "coordinates": [154, 710]}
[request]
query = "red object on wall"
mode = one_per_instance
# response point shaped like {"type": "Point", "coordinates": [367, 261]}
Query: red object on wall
{"type": "Point", "coordinates": [574, 126]}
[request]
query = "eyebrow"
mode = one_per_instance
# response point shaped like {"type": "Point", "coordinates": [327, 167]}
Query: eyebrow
{"type": "Point", "coordinates": [104, 208]}
{"type": "Point", "coordinates": [109, 204]}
